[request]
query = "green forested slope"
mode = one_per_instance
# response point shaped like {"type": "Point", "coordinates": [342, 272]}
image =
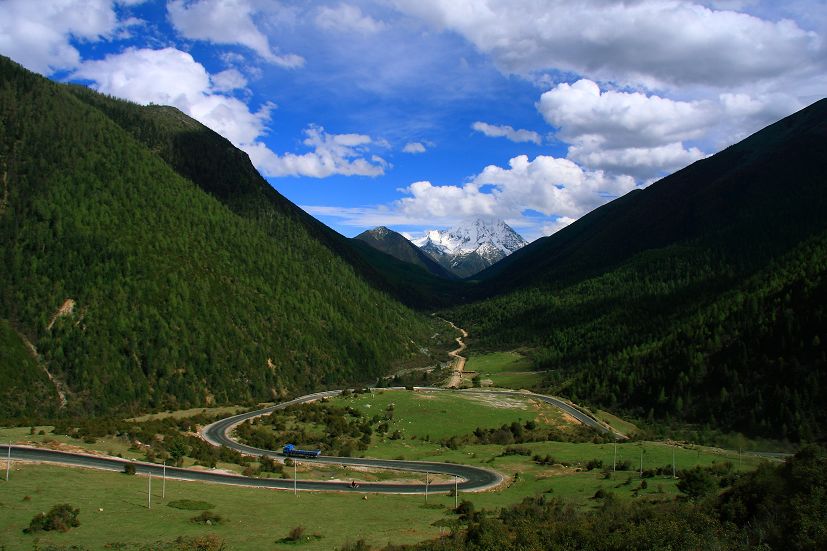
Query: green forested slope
{"type": "Point", "coordinates": [216, 166]}
{"type": "Point", "coordinates": [701, 298]}
{"type": "Point", "coordinates": [17, 363]}
{"type": "Point", "coordinates": [179, 300]}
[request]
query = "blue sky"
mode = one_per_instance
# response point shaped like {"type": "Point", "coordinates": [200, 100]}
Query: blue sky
{"type": "Point", "coordinates": [417, 114]}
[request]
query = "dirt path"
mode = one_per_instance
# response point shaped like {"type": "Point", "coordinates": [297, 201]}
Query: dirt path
{"type": "Point", "coordinates": [61, 393]}
{"type": "Point", "coordinates": [456, 377]}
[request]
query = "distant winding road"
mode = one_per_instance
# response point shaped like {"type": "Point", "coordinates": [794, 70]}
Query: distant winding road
{"type": "Point", "coordinates": [468, 478]}
{"type": "Point", "coordinates": [459, 366]}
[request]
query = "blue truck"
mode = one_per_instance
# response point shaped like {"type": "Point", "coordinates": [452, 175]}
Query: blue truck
{"type": "Point", "coordinates": [292, 451]}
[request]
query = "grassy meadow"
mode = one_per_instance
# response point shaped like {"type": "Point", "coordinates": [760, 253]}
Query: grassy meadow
{"type": "Point", "coordinates": [504, 370]}
{"type": "Point", "coordinates": [114, 512]}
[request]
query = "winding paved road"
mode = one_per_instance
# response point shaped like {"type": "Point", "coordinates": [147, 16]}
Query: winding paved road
{"type": "Point", "coordinates": [469, 478]}
{"type": "Point", "coordinates": [477, 478]}
{"type": "Point", "coordinates": [474, 478]}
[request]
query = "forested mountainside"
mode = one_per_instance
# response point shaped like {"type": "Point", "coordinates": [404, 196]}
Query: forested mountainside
{"type": "Point", "coordinates": [212, 163]}
{"type": "Point", "coordinates": [136, 289]}
{"type": "Point", "coordinates": [701, 298]}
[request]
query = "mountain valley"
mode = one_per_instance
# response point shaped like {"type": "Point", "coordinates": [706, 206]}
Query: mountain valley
{"type": "Point", "coordinates": [653, 375]}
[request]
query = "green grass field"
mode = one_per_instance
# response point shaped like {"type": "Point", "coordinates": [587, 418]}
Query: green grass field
{"type": "Point", "coordinates": [504, 369]}
{"type": "Point", "coordinates": [445, 414]}
{"type": "Point", "coordinates": [109, 445]}
{"type": "Point", "coordinates": [620, 425]}
{"type": "Point", "coordinates": [257, 518]}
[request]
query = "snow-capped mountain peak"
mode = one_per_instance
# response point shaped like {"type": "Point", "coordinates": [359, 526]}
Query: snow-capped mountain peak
{"type": "Point", "coordinates": [478, 242]}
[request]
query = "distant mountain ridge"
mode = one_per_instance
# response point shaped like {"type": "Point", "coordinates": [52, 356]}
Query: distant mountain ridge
{"type": "Point", "coordinates": [398, 246]}
{"type": "Point", "coordinates": [471, 247]}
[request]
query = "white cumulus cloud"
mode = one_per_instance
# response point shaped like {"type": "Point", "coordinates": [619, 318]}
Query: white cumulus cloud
{"type": "Point", "coordinates": [228, 80]}
{"type": "Point", "coordinates": [414, 148]}
{"type": "Point", "coordinates": [226, 22]}
{"type": "Point", "coordinates": [627, 132]}
{"type": "Point", "coordinates": [346, 17]}
{"type": "Point", "coordinates": [558, 189]}
{"type": "Point", "coordinates": [551, 186]}
{"type": "Point", "coordinates": [38, 34]}
{"type": "Point", "coordinates": [172, 77]}
{"type": "Point", "coordinates": [645, 163]}
{"type": "Point", "coordinates": [627, 118]}
{"type": "Point", "coordinates": [332, 154]}
{"type": "Point", "coordinates": [505, 131]}
{"type": "Point", "coordinates": [653, 42]}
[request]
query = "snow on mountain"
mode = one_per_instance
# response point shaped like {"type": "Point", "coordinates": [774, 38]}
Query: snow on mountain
{"type": "Point", "coordinates": [472, 246]}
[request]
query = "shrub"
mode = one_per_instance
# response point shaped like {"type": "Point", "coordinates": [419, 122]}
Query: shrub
{"type": "Point", "coordinates": [697, 483]}
{"type": "Point", "coordinates": [516, 450]}
{"type": "Point", "coordinates": [210, 542]}
{"type": "Point", "coordinates": [465, 508]}
{"type": "Point", "coordinates": [296, 533]}
{"type": "Point", "coordinates": [60, 517]}
{"type": "Point", "coordinates": [208, 517]}
{"type": "Point", "coordinates": [594, 464]}
{"type": "Point", "coordinates": [129, 468]}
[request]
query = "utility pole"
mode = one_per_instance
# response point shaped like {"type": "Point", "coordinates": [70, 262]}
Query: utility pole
{"type": "Point", "coordinates": [295, 484]}
{"type": "Point", "coordinates": [164, 487]}
{"type": "Point", "coordinates": [426, 486]}
{"type": "Point", "coordinates": [149, 492]}
{"type": "Point", "coordinates": [641, 462]}
{"type": "Point", "coordinates": [673, 462]}
{"type": "Point", "coordinates": [8, 463]}
{"type": "Point", "coordinates": [456, 491]}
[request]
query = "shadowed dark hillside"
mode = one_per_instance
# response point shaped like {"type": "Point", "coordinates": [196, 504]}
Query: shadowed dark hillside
{"type": "Point", "coordinates": [751, 201]}
{"type": "Point", "coordinates": [700, 298]}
